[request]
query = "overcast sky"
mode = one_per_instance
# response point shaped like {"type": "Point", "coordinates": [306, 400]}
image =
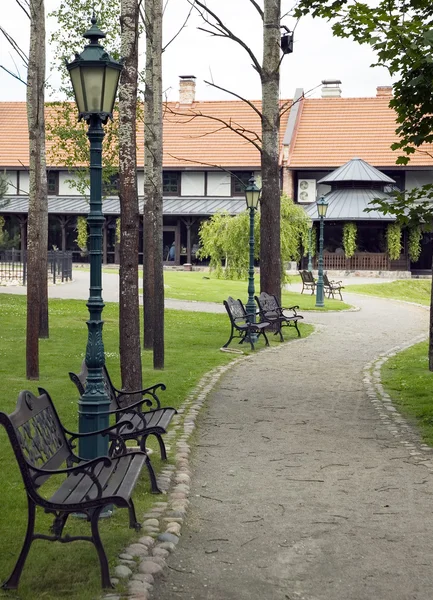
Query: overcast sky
{"type": "Point", "coordinates": [317, 54]}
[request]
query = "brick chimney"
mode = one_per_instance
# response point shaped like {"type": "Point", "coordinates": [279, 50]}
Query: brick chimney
{"type": "Point", "coordinates": [331, 88]}
{"type": "Point", "coordinates": [384, 90]}
{"type": "Point", "coordinates": [187, 89]}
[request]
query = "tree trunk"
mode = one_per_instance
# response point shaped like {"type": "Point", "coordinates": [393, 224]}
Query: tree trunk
{"type": "Point", "coordinates": [129, 312]}
{"type": "Point", "coordinates": [37, 215]}
{"type": "Point", "coordinates": [430, 341]}
{"type": "Point", "coordinates": [270, 251]}
{"type": "Point", "coordinates": [158, 310]}
{"type": "Point", "coordinates": [149, 191]}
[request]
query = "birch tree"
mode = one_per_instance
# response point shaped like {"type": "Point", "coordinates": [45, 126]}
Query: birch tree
{"type": "Point", "coordinates": [37, 227]}
{"type": "Point", "coordinates": [37, 234]}
{"type": "Point", "coordinates": [269, 72]}
{"type": "Point", "coordinates": [129, 317]}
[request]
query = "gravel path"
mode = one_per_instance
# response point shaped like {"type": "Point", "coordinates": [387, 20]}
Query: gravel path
{"type": "Point", "coordinates": [302, 487]}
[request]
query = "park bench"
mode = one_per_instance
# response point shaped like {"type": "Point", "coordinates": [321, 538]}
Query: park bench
{"type": "Point", "coordinates": [271, 311]}
{"type": "Point", "coordinates": [154, 421]}
{"type": "Point", "coordinates": [44, 451]}
{"type": "Point", "coordinates": [332, 287]}
{"type": "Point", "coordinates": [240, 326]}
{"type": "Point", "coordinates": [308, 281]}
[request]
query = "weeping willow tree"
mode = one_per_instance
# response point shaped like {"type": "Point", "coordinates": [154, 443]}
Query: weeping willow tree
{"type": "Point", "coordinates": [224, 239]}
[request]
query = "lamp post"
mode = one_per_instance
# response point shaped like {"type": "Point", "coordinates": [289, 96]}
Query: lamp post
{"type": "Point", "coordinates": [322, 207]}
{"type": "Point", "coordinates": [95, 76]}
{"type": "Point", "coordinates": [252, 197]}
{"type": "Point", "coordinates": [310, 252]}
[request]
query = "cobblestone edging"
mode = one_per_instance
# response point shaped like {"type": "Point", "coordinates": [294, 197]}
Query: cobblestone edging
{"type": "Point", "coordinates": [394, 422]}
{"type": "Point", "coordinates": [142, 561]}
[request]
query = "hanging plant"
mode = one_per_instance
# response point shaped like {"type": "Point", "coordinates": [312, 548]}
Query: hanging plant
{"type": "Point", "coordinates": [82, 234]}
{"type": "Point", "coordinates": [349, 239]}
{"type": "Point", "coordinates": [118, 231]}
{"type": "Point", "coordinates": [415, 235]}
{"type": "Point", "coordinates": [393, 240]}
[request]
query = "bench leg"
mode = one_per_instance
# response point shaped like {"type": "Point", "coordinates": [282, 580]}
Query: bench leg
{"type": "Point", "coordinates": [12, 582]}
{"type": "Point", "coordinates": [97, 542]}
{"type": "Point", "coordinates": [162, 449]}
{"type": "Point", "coordinates": [133, 523]}
{"type": "Point", "coordinates": [230, 338]}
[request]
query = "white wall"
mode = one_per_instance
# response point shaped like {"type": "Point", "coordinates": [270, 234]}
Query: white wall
{"type": "Point", "coordinates": [218, 184]}
{"type": "Point", "coordinates": [192, 183]}
{"type": "Point", "coordinates": [418, 178]}
{"type": "Point", "coordinates": [140, 182]}
{"type": "Point", "coordinates": [11, 178]}
{"type": "Point", "coordinates": [24, 182]}
{"type": "Point", "coordinates": [64, 187]}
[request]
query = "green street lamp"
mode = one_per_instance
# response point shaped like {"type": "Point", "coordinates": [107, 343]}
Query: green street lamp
{"type": "Point", "coordinates": [322, 207]}
{"type": "Point", "coordinates": [252, 197]}
{"type": "Point", "coordinates": [310, 252]}
{"type": "Point", "coordinates": [95, 76]}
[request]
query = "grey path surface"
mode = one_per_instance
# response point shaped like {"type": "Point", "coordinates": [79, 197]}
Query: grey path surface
{"type": "Point", "coordinates": [299, 488]}
{"type": "Point", "coordinates": [79, 289]}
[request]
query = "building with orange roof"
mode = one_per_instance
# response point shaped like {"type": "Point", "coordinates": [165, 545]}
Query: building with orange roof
{"type": "Point", "coordinates": [211, 149]}
{"type": "Point", "coordinates": [206, 163]}
{"type": "Point", "coordinates": [325, 133]}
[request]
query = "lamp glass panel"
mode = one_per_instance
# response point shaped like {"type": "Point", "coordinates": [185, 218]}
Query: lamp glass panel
{"type": "Point", "coordinates": [78, 88]}
{"type": "Point", "coordinates": [252, 198]}
{"type": "Point", "coordinates": [322, 208]}
{"type": "Point", "coordinates": [93, 78]}
{"type": "Point", "coordinates": [111, 81]}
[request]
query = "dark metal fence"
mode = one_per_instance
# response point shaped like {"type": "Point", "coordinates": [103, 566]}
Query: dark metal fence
{"type": "Point", "coordinates": [13, 266]}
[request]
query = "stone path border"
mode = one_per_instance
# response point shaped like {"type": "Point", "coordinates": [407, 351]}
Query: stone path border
{"type": "Point", "coordinates": [143, 560]}
{"type": "Point", "coordinates": [388, 413]}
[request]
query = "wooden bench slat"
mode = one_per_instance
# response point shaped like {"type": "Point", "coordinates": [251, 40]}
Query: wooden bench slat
{"type": "Point", "coordinates": [271, 311]}
{"type": "Point", "coordinates": [40, 445]}
{"type": "Point", "coordinates": [124, 412]}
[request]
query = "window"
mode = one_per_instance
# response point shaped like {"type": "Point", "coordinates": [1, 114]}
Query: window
{"type": "Point", "coordinates": [171, 183]}
{"type": "Point", "coordinates": [240, 179]}
{"type": "Point", "coordinates": [53, 183]}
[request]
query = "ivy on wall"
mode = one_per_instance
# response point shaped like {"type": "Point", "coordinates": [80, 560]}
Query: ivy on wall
{"type": "Point", "coordinates": [415, 235]}
{"type": "Point", "coordinates": [349, 239]}
{"type": "Point", "coordinates": [393, 240]}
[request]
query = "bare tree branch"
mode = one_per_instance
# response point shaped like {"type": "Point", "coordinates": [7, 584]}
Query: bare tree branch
{"type": "Point", "coordinates": [25, 6]}
{"type": "Point", "coordinates": [236, 96]}
{"type": "Point", "coordinates": [258, 8]}
{"type": "Point", "coordinates": [23, 56]}
{"type": "Point", "coordinates": [13, 74]}
{"type": "Point", "coordinates": [225, 31]}
{"type": "Point", "coordinates": [249, 136]}
{"type": "Point", "coordinates": [180, 28]}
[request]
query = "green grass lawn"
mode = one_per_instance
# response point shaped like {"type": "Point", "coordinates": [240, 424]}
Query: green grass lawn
{"type": "Point", "coordinates": [409, 382]}
{"type": "Point", "coordinates": [410, 290]}
{"type": "Point", "coordinates": [201, 286]}
{"type": "Point", "coordinates": [56, 570]}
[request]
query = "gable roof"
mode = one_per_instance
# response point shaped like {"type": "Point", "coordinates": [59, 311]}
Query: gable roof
{"type": "Point", "coordinates": [191, 139]}
{"type": "Point", "coordinates": [356, 170]}
{"type": "Point", "coordinates": [333, 130]}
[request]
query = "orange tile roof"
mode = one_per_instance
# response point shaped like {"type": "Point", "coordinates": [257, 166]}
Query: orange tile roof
{"type": "Point", "coordinates": [334, 130]}
{"type": "Point", "coordinates": [190, 141]}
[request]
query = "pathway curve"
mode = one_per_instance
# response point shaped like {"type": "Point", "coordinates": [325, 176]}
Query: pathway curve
{"type": "Point", "coordinates": [300, 490]}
